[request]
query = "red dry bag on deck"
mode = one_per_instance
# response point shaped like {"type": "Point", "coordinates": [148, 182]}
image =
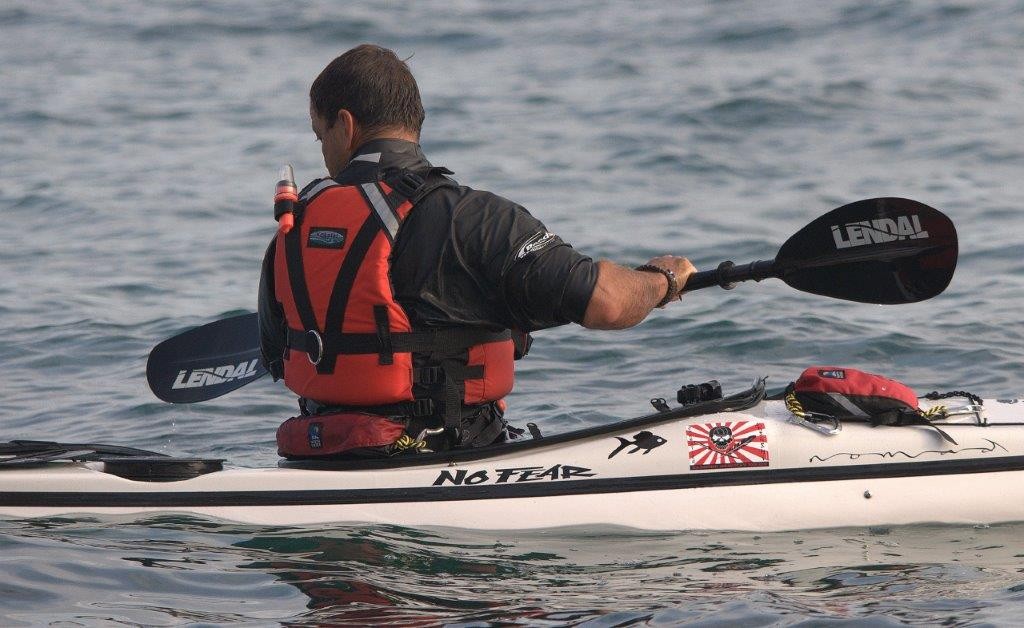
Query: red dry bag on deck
{"type": "Point", "coordinates": [851, 394]}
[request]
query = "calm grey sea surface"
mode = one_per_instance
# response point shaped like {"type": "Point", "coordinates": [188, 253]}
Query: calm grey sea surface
{"type": "Point", "coordinates": [139, 147]}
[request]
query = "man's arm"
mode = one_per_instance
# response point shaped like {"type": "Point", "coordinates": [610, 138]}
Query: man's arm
{"type": "Point", "coordinates": [623, 297]}
{"type": "Point", "coordinates": [543, 281]}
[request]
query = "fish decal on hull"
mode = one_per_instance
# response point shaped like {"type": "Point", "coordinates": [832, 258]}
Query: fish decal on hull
{"type": "Point", "coordinates": [645, 441]}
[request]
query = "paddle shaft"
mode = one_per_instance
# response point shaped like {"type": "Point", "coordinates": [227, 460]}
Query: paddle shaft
{"type": "Point", "coordinates": [727, 275]}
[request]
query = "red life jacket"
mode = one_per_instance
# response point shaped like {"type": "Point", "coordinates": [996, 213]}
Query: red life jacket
{"type": "Point", "coordinates": [349, 342]}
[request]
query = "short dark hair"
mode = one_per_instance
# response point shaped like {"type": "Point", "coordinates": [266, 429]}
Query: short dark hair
{"type": "Point", "coordinates": [374, 85]}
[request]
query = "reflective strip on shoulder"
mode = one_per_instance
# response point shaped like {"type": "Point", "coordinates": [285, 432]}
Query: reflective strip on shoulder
{"type": "Point", "coordinates": [380, 205]}
{"type": "Point", "coordinates": [316, 189]}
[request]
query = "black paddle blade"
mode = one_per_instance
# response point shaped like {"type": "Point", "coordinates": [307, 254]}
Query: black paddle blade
{"type": "Point", "coordinates": [879, 250]}
{"type": "Point", "coordinates": [206, 362]}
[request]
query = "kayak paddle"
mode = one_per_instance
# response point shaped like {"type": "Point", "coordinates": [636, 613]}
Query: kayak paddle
{"type": "Point", "coordinates": [206, 362]}
{"type": "Point", "coordinates": [879, 250]}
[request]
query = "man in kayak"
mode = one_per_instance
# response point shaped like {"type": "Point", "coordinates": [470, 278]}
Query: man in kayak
{"type": "Point", "coordinates": [402, 296]}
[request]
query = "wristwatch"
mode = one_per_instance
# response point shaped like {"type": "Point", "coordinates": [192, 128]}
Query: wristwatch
{"type": "Point", "coordinates": [673, 285]}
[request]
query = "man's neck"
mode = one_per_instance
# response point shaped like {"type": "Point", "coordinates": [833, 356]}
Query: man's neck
{"type": "Point", "coordinates": [390, 134]}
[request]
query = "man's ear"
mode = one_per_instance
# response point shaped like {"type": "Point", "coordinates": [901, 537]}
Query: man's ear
{"type": "Point", "coordinates": [349, 126]}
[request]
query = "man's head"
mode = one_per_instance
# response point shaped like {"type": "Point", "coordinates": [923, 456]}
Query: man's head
{"type": "Point", "coordinates": [364, 94]}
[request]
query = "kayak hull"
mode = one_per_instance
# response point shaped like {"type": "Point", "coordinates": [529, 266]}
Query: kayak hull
{"type": "Point", "coordinates": [750, 468]}
{"type": "Point", "coordinates": [982, 498]}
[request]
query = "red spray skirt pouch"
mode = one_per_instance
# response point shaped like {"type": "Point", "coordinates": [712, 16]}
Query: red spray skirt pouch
{"type": "Point", "coordinates": [335, 433]}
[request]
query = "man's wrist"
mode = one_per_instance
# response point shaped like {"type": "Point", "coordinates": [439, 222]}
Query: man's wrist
{"type": "Point", "coordinates": [673, 283]}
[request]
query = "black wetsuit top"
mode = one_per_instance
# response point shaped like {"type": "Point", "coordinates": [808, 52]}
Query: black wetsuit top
{"type": "Point", "coordinates": [463, 257]}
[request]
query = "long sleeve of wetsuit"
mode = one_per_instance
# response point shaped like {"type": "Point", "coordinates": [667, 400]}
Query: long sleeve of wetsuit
{"type": "Point", "coordinates": [271, 319]}
{"type": "Point", "coordinates": [542, 281]}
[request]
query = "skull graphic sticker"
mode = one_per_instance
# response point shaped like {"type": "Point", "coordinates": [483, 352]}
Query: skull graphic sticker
{"type": "Point", "coordinates": [728, 445]}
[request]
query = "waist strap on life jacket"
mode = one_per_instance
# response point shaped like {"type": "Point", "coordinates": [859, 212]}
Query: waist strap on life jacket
{"type": "Point", "coordinates": [442, 347]}
{"type": "Point", "coordinates": [385, 344]}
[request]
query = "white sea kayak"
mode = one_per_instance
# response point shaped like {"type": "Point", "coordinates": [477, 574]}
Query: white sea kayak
{"type": "Point", "coordinates": [739, 463]}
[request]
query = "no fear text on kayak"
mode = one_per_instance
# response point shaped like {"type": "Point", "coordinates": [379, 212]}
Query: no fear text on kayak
{"type": "Point", "coordinates": [395, 300]}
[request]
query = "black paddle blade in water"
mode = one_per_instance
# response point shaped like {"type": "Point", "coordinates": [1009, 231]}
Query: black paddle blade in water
{"type": "Point", "coordinates": [880, 250]}
{"type": "Point", "coordinates": [206, 362]}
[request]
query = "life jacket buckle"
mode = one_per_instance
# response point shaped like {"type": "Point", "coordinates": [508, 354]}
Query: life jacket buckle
{"type": "Point", "coordinates": [422, 407]}
{"type": "Point", "coordinates": [407, 183]}
{"type": "Point", "coordinates": [428, 375]}
{"type": "Point", "coordinates": [429, 431]}
{"type": "Point", "coordinates": [317, 345]}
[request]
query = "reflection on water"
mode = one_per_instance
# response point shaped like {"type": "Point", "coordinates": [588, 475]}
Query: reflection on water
{"type": "Point", "coordinates": [907, 574]}
{"type": "Point", "coordinates": [93, 570]}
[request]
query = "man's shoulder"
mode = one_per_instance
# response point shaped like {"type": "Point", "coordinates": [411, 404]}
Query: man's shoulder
{"type": "Point", "coordinates": [480, 203]}
{"type": "Point", "coordinates": [489, 221]}
{"type": "Point", "coordinates": [462, 201]}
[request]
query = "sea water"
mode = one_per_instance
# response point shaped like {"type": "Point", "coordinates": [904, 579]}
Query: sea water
{"type": "Point", "coordinates": [139, 147]}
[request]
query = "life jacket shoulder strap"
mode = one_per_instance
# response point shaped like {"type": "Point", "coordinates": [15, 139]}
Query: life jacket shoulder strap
{"type": "Point", "coordinates": [315, 187]}
{"type": "Point", "coordinates": [409, 185]}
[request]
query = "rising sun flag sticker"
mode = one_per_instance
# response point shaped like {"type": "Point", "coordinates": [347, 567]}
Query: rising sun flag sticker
{"type": "Point", "coordinates": [727, 445]}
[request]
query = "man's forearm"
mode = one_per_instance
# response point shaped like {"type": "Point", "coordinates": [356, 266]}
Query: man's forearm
{"type": "Point", "coordinates": [623, 297]}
